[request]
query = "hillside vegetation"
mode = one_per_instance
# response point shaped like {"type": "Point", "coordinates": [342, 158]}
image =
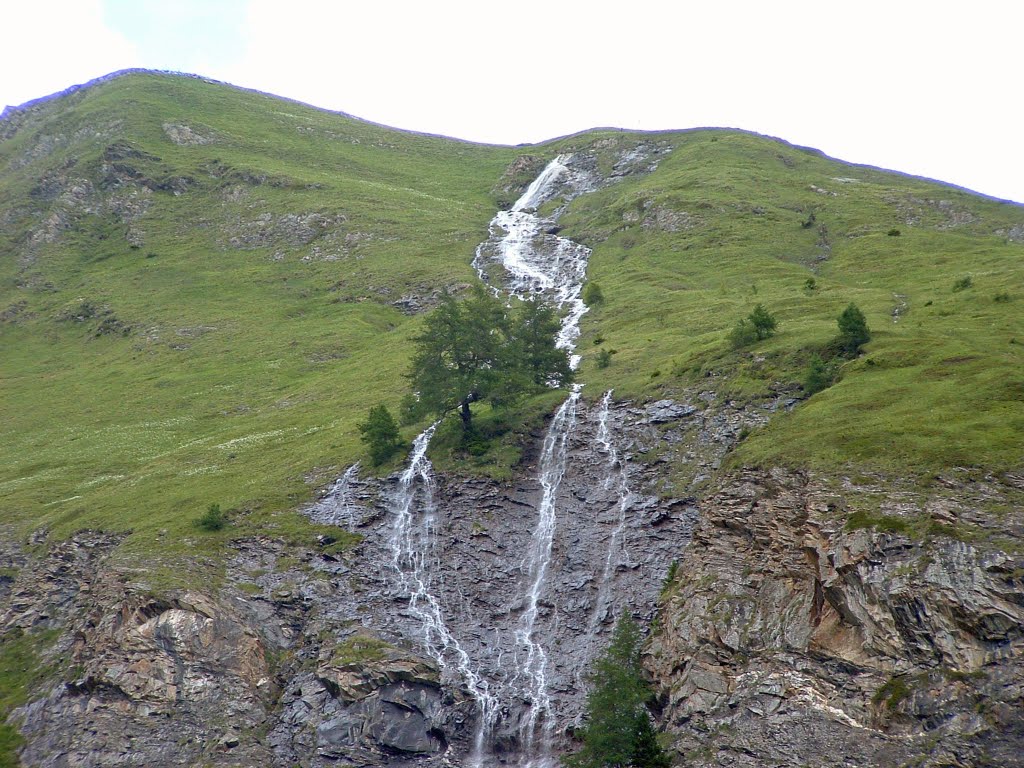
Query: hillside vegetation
{"type": "Point", "coordinates": [732, 220]}
{"type": "Point", "coordinates": [198, 292]}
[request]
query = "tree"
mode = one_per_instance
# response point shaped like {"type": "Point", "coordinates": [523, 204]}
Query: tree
{"type": "Point", "coordinates": [477, 349]}
{"type": "Point", "coordinates": [212, 519]}
{"type": "Point", "coordinates": [759, 324]}
{"type": "Point", "coordinates": [380, 433]}
{"type": "Point", "coordinates": [853, 330]}
{"type": "Point", "coordinates": [619, 732]}
{"type": "Point", "coordinates": [532, 336]}
{"type": "Point", "coordinates": [763, 321]}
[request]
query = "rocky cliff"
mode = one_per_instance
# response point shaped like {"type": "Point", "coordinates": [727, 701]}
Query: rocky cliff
{"type": "Point", "coordinates": [306, 657]}
{"type": "Point", "coordinates": [782, 636]}
{"type": "Point", "coordinates": [789, 638]}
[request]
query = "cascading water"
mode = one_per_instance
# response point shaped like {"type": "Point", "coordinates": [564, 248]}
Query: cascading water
{"type": "Point", "coordinates": [616, 476]}
{"type": "Point", "coordinates": [535, 261]}
{"type": "Point", "coordinates": [412, 559]}
{"type": "Point", "coordinates": [534, 665]}
{"type": "Point", "coordinates": [337, 507]}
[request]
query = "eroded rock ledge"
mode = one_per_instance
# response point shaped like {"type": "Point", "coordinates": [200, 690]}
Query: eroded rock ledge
{"type": "Point", "coordinates": [788, 640]}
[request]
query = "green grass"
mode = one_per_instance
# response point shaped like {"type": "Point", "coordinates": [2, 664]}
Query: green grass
{"type": "Point", "coordinates": [361, 649]}
{"type": "Point", "coordinates": [21, 672]}
{"type": "Point", "coordinates": [246, 369]}
{"type": "Point", "coordinates": [942, 387]}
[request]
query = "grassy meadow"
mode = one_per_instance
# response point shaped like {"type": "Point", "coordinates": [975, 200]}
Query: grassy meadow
{"type": "Point", "coordinates": [221, 345]}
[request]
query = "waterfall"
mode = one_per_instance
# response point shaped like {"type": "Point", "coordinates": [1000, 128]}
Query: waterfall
{"type": "Point", "coordinates": [535, 261]}
{"type": "Point", "coordinates": [534, 666]}
{"type": "Point", "coordinates": [616, 469]}
{"type": "Point", "coordinates": [412, 557]}
{"type": "Point", "coordinates": [337, 507]}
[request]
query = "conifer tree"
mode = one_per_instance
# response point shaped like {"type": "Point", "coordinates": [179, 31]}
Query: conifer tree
{"type": "Point", "coordinates": [853, 329]}
{"type": "Point", "coordinates": [380, 433]}
{"type": "Point", "coordinates": [619, 732]}
{"type": "Point", "coordinates": [478, 349]}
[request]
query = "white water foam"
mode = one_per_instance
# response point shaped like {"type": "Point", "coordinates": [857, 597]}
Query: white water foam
{"type": "Point", "coordinates": [534, 664]}
{"type": "Point", "coordinates": [337, 507]}
{"type": "Point", "coordinates": [616, 475]}
{"type": "Point", "coordinates": [535, 261]}
{"type": "Point", "coordinates": [413, 560]}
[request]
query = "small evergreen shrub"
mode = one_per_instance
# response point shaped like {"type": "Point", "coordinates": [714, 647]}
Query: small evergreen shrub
{"type": "Point", "coordinates": [819, 375]}
{"type": "Point", "coordinates": [592, 295]}
{"type": "Point", "coordinates": [212, 519]}
{"type": "Point", "coordinates": [763, 321]}
{"type": "Point", "coordinates": [759, 324]}
{"type": "Point", "coordinates": [853, 330]}
{"type": "Point", "coordinates": [810, 285]}
{"type": "Point", "coordinates": [380, 433]}
{"type": "Point", "coordinates": [604, 358]}
{"type": "Point", "coordinates": [963, 284]}
{"type": "Point", "coordinates": [893, 232]}
{"type": "Point", "coordinates": [742, 334]}
{"type": "Point", "coordinates": [1000, 298]}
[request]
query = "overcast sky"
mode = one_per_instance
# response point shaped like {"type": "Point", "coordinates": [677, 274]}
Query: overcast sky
{"type": "Point", "coordinates": [932, 88]}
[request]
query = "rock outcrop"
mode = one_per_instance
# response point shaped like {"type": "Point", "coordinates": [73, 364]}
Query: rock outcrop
{"type": "Point", "coordinates": [784, 636]}
{"type": "Point", "coordinates": [787, 638]}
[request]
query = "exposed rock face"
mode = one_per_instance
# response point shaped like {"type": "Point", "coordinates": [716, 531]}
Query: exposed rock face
{"type": "Point", "coordinates": [784, 638]}
{"type": "Point", "coordinates": [140, 673]}
{"type": "Point", "coordinates": [787, 638]}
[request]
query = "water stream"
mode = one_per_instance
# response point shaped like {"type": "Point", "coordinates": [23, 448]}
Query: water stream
{"type": "Point", "coordinates": [533, 261]}
{"type": "Point", "coordinates": [536, 261]}
{"type": "Point", "coordinates": [412, 556]}
{"type": "Point", "coordinates": [337, 507]}
{"type": "Point", "coordinates": [617, 477]}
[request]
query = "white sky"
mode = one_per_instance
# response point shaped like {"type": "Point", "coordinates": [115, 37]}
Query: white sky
{"type": "Point", "coordinates": [932, 88]}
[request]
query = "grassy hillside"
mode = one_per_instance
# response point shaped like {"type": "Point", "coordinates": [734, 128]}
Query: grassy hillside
{"type": "Point", "coordinates": [193, 323]}
{"type": "Point", "coordinates": [726, 223]}
{"type": "Point", "coordinates": [197, 290]}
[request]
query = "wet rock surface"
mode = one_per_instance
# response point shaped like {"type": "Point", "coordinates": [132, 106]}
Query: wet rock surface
{"type": "Point", "coordinates": [784, 638]}
{"type": "Point", "coordinates": [787, 636]}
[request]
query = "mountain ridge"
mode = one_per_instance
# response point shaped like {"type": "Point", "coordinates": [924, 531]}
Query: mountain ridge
{"type": "Point", "coordinates": [10, 111]}
{"type": "Point", "coordinates": [202, 292]}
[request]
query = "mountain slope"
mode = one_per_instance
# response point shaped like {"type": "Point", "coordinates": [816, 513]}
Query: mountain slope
{"type": "Point", "coordinates": [199, 290]}
{"type": "Point", "coordinates": [202, 292]}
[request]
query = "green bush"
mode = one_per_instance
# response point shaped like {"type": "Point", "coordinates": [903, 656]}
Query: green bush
{"type": "Point", "coordinates": [819, 375]}
{"type": "Point", "coordinates": [963, 284]}
{"type": "Point", "coordinates": [893, 232]}
{"type": "Point", "coordinates": [604, 358]}
{"type": "Point", "coordinates": [759, 324]}
{"type": "Point", "coordinates": [380, 433]}
{"type": "Point", "coordinates": [742, 334]}
{"type": "Point", "coordinates": [592, 295]}
{"type": "Point", "coordinates": [853, 329]}
{"type": "Point", "coordinates": [212, 519]}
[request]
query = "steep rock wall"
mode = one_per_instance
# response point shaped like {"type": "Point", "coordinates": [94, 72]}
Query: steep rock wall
{"type": "Point", "coordinates": [787, 639]}
{"type": "Point", "coordinates": [784, 638]}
